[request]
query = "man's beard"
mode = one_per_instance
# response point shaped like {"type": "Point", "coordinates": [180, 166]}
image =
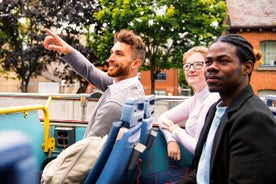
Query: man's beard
{"type": "Point", "coordinates": [118, 72]}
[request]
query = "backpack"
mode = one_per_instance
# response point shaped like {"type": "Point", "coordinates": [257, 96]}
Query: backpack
{"type": "Point", "coordinates": [74, 163]}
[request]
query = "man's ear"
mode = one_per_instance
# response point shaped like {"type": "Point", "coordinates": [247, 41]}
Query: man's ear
{"type": "Point", "coordinates": [247, 67]}
{"type": "Point", "coordinates": [136, 64]}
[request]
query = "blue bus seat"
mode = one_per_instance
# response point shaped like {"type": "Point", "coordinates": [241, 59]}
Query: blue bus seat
{"type": "Point", "coordinates": [99, 164]}
{"type": "Point", "coordinates": [123, 157]}
{"type": "Point", "coordinates": [132, 113]}
{"type": "Point", "coordinates": [17, 163]}
{"type": "Point", "coordinates": [147, 133]}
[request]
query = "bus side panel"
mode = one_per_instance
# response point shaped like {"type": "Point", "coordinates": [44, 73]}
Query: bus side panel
{"type": "Point", "coordinates": [29, 125]}
{"type": "Point", "coordinates": [157, 167]}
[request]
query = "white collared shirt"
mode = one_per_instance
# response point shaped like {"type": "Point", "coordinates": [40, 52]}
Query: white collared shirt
{"type": "Point", "coordinates": [118, 86]}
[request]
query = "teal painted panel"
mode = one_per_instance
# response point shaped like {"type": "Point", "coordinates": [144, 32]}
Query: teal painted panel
{"type": "Point", "coordinates": [156, 160]}
{"type": "Point", "coordinates": [30, 126]}
{"type": "Point", "coordinates": [79, 133]}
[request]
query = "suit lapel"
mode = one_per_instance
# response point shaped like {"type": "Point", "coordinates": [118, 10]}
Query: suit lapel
{"type": "Point", "coordinates": [204, 132]}
{"type": "Point", "coordinates": [217, 139]}
{"type": "Point", "coordinates": [235, 106]}
{"type": "Point", "coordinates": [237, 103]}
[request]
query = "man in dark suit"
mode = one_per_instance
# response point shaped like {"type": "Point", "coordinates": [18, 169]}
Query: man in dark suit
{"type": "Point", "coordinates": [238, 141]}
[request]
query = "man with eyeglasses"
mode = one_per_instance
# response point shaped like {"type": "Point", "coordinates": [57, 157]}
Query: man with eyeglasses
{"type": "Point", "coordinates": [192, 111]}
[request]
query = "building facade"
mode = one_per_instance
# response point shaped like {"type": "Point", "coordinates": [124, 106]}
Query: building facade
{"type": "Point", "coordinates": [256, 21]}
{"type": "Point", "coordinates": [166, 82]}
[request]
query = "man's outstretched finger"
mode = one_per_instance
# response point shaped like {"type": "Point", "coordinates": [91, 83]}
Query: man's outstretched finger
{"type": "Point", "coordinates": [47, 42]}
{"type": "Point", "coordinates": [56, 39]}
{"type": "Point", "coordinates": [50, 33]}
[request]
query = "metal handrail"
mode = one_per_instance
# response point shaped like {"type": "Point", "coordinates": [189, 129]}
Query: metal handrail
{"type": "Point", "coordinates": [84, 99]}
{"type": "Point", "coordinates": [48, 143]}
{"type": "Point", "coordinates": [171, 98]}
{"type": "Point", "coordinates": [46, 95]}
{"type": "Point", "coordinates": [78, 96]}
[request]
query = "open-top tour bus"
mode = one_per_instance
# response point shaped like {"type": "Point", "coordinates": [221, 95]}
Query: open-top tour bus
{"type": "Point", "coordinates": [35, 128]}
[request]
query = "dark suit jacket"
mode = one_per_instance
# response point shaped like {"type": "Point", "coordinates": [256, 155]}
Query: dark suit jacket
{"type": "Point", "coordinates": [244, 148]}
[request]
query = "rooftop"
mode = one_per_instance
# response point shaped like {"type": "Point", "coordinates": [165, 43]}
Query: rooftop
{"type": "Point", "coordinates": [251, 13]}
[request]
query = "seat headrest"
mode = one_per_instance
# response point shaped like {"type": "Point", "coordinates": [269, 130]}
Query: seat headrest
{"type": "Point", "coordinates": [132, 112]}
{"type": "Point", "coordinates": [149, 106]}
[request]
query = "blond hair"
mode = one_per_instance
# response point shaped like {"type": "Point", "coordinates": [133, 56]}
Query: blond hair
{"type": "Point", "coordinates": [197, 49]}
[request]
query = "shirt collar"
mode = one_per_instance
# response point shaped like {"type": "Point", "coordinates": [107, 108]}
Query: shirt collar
{"type": "Point", "coordinates": [202, 95]}
{"type": "Point", "coordinates": [123, 84]}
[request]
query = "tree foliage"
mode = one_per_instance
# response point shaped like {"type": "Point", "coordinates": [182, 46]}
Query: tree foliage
{"type": "Point", "coordinates": [21, 35]}
{"type": "Point", "coordinates": [168, 28]}
{"type": "Point", "coordinates": [20, 41]}
{"type": "Point", "coordinates": [74, 19]}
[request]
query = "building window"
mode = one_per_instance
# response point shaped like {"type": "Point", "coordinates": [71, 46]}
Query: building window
{"type": "Point", "coordinates": [160, 92]}
{"type": "Point", "coordinates": [161, 76]}
{"type": "Point", "coordinates": [269, 53]}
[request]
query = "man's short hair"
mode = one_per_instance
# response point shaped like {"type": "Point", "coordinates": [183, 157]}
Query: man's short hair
{"type": "Point", "coordinates": [136, 43]}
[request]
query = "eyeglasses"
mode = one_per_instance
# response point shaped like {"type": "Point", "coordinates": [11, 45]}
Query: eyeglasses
{"type": "Point", "coordinates": [196, 65]}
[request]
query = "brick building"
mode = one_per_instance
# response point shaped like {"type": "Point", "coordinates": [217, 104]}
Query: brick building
{"type": "Point", "coordinates": [256, 21]}
{"type": "Point", "coordinates": [166, 82]}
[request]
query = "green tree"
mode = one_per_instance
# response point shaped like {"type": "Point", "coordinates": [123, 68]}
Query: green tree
{"type": "Point", "coordinates": [20, 41]}
{"type": "Point", "coordinates": [168, 28]}
{"type": "Point", "coordinates": [74, 18]}
{"type": "Point", "coordinates": [21, 35]}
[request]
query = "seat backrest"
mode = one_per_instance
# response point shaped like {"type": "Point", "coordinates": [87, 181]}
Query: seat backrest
{"type": "Point", "coordinates": [17, 163]}
{"type": "Point", "coordinates": [131, 114]}
{"type": "Point", "coordinates": [101, 161]}
{"type": "Point", "coordinates": [120, 156]}
{"type": "Point", "coordinates": [147, 121]}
